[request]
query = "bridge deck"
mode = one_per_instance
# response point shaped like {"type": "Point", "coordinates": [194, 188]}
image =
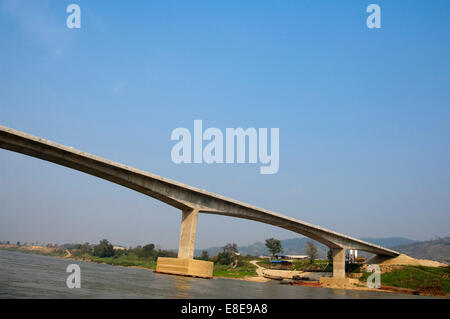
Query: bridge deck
{"type": "Point", "coordinates": [172, 192]}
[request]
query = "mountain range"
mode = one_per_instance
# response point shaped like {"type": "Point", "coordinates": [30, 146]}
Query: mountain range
{"type": "Point", "coordinates": [436, 249]}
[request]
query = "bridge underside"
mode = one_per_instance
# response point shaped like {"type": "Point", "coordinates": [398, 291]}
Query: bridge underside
{"type": "Point", "coordinates": [190, 200]}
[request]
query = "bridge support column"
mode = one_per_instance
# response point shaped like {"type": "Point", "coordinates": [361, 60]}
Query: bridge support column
{"type": "Point", "coordinates": [338, 280]}
{"type": "Point", "coordinates": [187, 234]}
{"type": "Point", "coordinates": [185, 264]}
{"type": "Point", "coordinates": [338, 263]}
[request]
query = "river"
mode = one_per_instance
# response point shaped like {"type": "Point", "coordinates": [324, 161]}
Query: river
{"type": "Point", "coordinates": [33, 276]}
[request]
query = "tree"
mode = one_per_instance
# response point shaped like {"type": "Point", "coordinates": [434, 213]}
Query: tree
{"type": "Point", "coordinates": [164, 253]}
{"type": "Point", "coordinates": [104, 249]}
{"type": "Point", "coordinates": [146, 251]}
{"type": "Point", "coordinates": [311, 251]}
{"type": "Point", "coordinates": [204, 255]}
{"type": "Point", "coordinates": [230, 248]}
{"type": "Point", "coordinates": [228, 256]}
{"type": "Point", "coordinates": [274, 246]}
{"type": "Point", "coordinates": [330, 256]}
{"type": "Point", "coordinates": [225, 258]}
{"type": "Point", "coordinates": [85, 248]}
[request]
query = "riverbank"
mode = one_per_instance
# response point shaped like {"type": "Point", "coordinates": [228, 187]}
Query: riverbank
{"type": "Point", "coordinates": [429, 281]}
{"type": "Point", "coordinates": [31, 276]}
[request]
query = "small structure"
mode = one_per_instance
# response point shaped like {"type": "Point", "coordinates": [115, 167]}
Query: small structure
{"type": "Point", "coordinates": [281, 264]}
{"type": "Point", "coordinates": [292, 257]}
{"type": "Point", "coordinates": [352, 256]}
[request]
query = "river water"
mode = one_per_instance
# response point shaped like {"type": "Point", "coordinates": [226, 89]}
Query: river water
{"type": "Point", "coordinates": [33, 276]}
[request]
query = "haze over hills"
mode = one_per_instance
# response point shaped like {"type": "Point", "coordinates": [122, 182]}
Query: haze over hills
{"type": "Point", "coordinates": [297, 246]}
{"type": "Point", "coordinates": [436, 249]}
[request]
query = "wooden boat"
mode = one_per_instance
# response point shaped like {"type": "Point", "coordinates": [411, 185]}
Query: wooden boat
{"type": "Point", "coordinates": [300, 278]}
{"type": "Point", "coordinates": [273, 277]}
{"type": "Point", "coordinates": [402, 290]}
{"type": "Point", "coordinates": [308, 283]}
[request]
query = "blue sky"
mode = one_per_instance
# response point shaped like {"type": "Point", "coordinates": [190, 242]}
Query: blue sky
{"type": "Point", "coordinates": [364, 114]}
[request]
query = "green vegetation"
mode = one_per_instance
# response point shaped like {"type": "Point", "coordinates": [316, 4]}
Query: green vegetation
{"type": "Point", "coordinates": [330, 256]}
{"type": "Point", "coordinates": [424, 279]}
{"type": "Point", "coordinates": [146, 251]}
{"type": "Point", "coordinates": [352, 267]}
{"type": "Point", "coordinates": [311, 251]}
{"type": "Point", "coordinates": [302, 265]}
{"type": "Point", "coordinates": [274, 246]}
{"type": "Point", "coordinates": [127, 261]}
{"type": "Point", "coordinates": [203, 256]}
{"type": "Point", "coordinates": [104, 249]}
{"type": "Point", "coordinates": [229, 256]}
{"type": "Point", "coordinates": [230, 264]}
{"type": "Point", "coordinates": [10, 248]}
{"type": "Point", "coordinates": [245, 270]}
{"type": "Point", "coordinates": [104, 253]}
{"type": "Point", "coordinates": [227, 263]}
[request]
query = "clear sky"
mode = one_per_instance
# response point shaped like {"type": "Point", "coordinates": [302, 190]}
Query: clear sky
{"type": "Point", "coordinates": [363, 114]}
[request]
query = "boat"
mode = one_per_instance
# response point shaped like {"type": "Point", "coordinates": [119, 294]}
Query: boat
{"type": "Point", "coordinates": [297, 277]}
{"type": "Point", "coordinates": [308, 283]}
{"type": "Point", "coordinates": [272, 277]}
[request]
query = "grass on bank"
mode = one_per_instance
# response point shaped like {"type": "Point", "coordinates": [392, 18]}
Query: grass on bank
{"type": "Point", "coordinates": [417, 278]}
{"type": "Point", "coordinates": [246, 270]}
{"type": "Point", "coordinates": [125, 261]}
{"type": "Point", "coordinates": [132, 260]}
{"type": "Point", "coordinates": [300, 265]}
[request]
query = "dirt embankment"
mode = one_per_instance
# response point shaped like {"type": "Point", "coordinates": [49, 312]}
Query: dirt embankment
{"type": "Point", "coordinates": [404, 260]}
{"type": "Point", "coordinates": [6, 246]}
{"type": "Point", "coordinates": [42, 249]}
{"type": "Point", "coordinates": [45, 250]}
{"type": "Point", "coordinates": [389, 264]}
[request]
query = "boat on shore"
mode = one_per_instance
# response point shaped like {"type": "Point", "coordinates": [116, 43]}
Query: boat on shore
{"type": "Point", "coordinates": [308, 283]}
{"type": "Point", "coordinates": [272, 277]}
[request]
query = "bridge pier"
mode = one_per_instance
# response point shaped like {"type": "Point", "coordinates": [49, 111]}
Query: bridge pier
{"type": "Point", "coordinates": [185, 264]}
{"type": "Point", "coordinates": [338, 263]}
{"type": "Point", "coordinates": [338, 280]}
{"type": "Point", "coordinates": [187, 233]}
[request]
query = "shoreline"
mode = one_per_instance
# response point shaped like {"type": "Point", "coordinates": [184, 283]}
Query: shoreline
{"type": "Point", "coordinates": [260, 278]}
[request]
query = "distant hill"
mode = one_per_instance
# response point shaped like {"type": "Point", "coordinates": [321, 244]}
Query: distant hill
{"type": "Point", "coordinates": [297, 246]}
{"type": "Point", "coordinates": [437, 249]}
{"type": "Point", "coordinates": [388, 242]}
{"type": "Point", "coordinates": [292, 246]}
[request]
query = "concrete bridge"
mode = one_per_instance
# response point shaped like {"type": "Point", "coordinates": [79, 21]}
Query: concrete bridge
{"type": "Point", "coordinates": [190, 200]}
